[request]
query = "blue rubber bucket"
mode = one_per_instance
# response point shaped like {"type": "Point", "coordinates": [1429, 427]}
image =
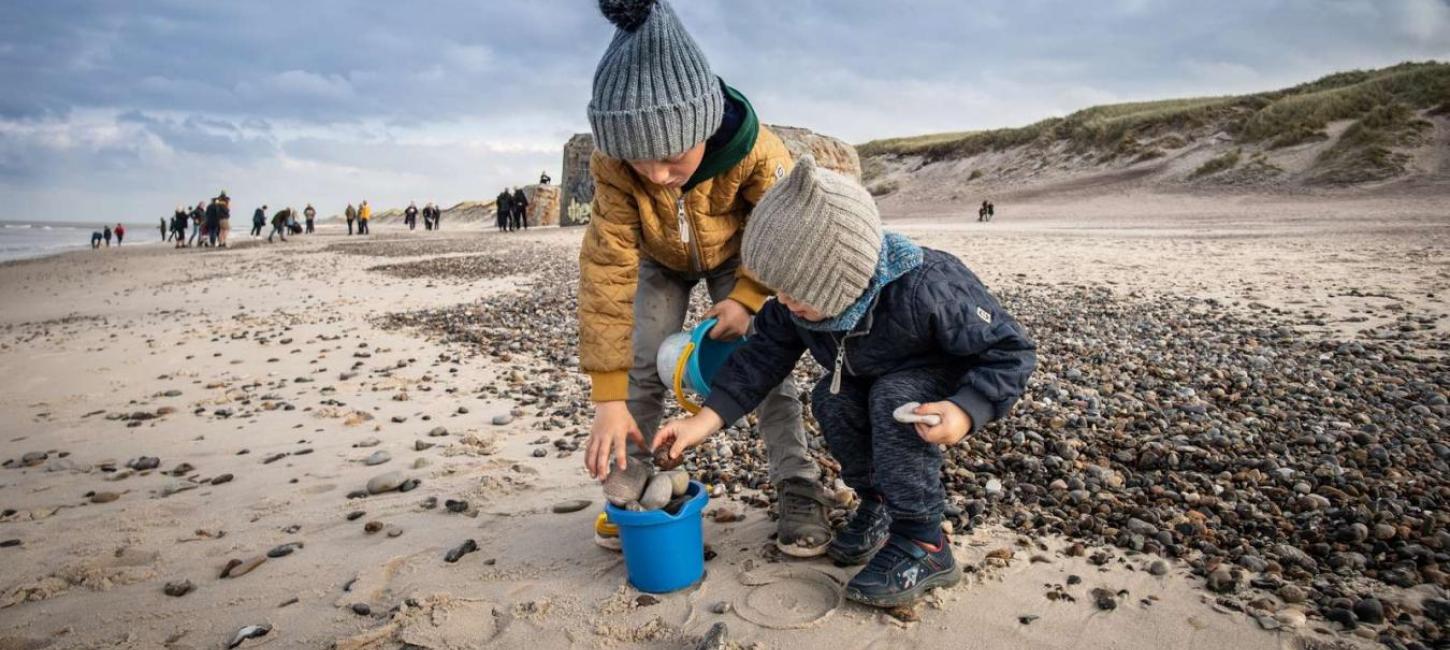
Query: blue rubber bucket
{"type": "Point", "coordinates": [688, 361]}
{"type": "Point", "coordinates": [663, 552]}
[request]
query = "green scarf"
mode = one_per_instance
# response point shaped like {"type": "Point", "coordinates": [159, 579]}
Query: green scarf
{"type": "Point", "coordinates": [735, 150]}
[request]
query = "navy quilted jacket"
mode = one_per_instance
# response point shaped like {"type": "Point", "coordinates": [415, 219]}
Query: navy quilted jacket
{"type": "Point", "coordinates": [936, 315]}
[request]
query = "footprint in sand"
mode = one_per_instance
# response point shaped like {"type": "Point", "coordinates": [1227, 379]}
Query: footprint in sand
{"type": "Point", "coordinates": [786, 597]}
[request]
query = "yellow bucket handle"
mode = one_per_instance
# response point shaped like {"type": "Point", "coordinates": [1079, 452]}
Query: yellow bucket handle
{"type": "Point", "coordinates": [685, 402]}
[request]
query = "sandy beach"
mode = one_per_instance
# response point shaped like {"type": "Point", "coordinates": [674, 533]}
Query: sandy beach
{"type": "Point", "coordinates": [264, 378]}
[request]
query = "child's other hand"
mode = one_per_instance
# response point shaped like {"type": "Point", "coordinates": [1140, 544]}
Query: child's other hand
{"type": "Point", "coordinates": [733, 317]}
{"type": "Point", "coordinates": [613, 427]}
{"type": "Point", "coordinates": [955, 423]}
{"type": "Point", "coordinates": [687, 432]}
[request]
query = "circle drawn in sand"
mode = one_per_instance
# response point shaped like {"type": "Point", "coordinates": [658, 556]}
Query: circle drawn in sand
{"type": "Point", "coordinates": [788, 597]}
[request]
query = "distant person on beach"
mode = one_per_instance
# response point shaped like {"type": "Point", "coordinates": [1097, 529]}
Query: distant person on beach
{"type": "Point", "coordinates": [521, 209]}
{"type": "Point", "coordinates": [437, 216]}
{"type": "Point", "coordinates": [120, 233]}
{"type": "Point", "coordinates": [351, 216]}
{"type": "Point", "coordinates": [544, 178]}
{"type": "Point", "coordinates": [106, 232]}
{"type": "Point", "coordinates": [95, 239]}
{"type": "Point", "coordinates": [503, 207]}
{"type": "Point", "coordinates": [214, 219]}
{"type": "Point", "coordinates": [982, 212]}
{"type": "Point", "coordinates": [922, 331]}
{"type": "Point", "coordinates": [259, 219]}
{"type": "Point", "coordinates": [991, 210]}
{"type": "Point", "coordinates": [279, 225]}
{"type": "Point", "coordinates": [178, 226]}
{"type": "Point", "coordinates": [224, 219]}
{"type": "Point", "coordinates": [410, 216]}
{"type": "Point", "coordinates": [163, 229]}
{"type": "Point", "coordinates": [676, 174]}
{"type": "Point", "coordinates": [198, 223]}
{"type": "Point", "coordinates": [364, 215]}
{"type": "Point", "coordinates": [311, 215]}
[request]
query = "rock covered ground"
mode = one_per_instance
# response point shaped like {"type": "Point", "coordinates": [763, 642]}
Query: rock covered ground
{"type": "Point", "coordinates": [1229, 441]}
{"type": "Point", "coordinates": [1284, 470]}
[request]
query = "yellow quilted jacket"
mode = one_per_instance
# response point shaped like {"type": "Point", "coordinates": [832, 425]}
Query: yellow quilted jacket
{"type": "Point", "coordinates": [633, 217]}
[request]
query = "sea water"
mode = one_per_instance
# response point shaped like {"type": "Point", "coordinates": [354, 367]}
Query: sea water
{"type": "Point", "coordinates": [27, 239]}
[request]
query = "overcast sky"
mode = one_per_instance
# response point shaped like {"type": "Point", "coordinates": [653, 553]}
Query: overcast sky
{"type": "Point", "coordinates": [128, 108]}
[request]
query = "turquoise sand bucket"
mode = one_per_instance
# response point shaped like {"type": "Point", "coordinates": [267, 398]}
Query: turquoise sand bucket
{"type": "Point", "coordinates": [689, 360]}
{"type": "Point", "coordinates": [663, 552]}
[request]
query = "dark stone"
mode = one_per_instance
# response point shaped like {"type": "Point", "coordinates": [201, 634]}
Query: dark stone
{"type": "Point", "coordinates": [468, 546]}
{"type": "Point", "coordinates": [1370, 610]}
{"type": "Point", "coordinates": [1341, 616]}
{"type": "Point", "coordinates": [179, 589]}
{"type": "Point", "coordinates": [1437, 609]}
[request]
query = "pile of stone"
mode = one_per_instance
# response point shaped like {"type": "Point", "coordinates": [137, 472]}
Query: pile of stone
{"type": "Point", "coordinates": [640, 487]}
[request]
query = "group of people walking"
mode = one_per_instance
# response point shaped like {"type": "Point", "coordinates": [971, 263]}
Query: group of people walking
{"type": "Point", "coordinates": [431, 216]}
{"type": "Point", "coordinates": [512, 209]}
{"type": "Point", "coordinates": [284, 222]}
{"type": "Point", "coordinates": [360, 216]}
{"type": "Point", "coordinates": [987, 211]}
{"type": "Point", "coordinates": [210, 223]}
{"type": "Point", "coordinates": [105, 234]}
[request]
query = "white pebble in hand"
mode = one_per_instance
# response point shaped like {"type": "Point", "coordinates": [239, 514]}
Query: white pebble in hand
{"type": "Point", "coordinates": [905, 415]}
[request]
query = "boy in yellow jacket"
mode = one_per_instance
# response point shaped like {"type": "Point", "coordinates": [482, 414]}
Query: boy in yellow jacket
{"type": "Point", "coordinates": [681, 160]}
{"type": "Point", "coordinates": [364, 215]}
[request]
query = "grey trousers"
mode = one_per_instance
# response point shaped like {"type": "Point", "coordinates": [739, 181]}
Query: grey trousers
{"type": "Point", "coordinates": [660, 305]}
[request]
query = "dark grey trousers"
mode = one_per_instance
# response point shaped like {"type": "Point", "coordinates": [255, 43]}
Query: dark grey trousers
{"type": "Point", "coordinates": [880, 456]}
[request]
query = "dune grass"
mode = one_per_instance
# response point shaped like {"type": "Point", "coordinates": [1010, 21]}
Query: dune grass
{"type": "Point", "coordinates": [1365, 151]}
{"type": "Point", "coordinates": [1278, 118]}
{"type": "Point", "coordinates": [1221, 163]}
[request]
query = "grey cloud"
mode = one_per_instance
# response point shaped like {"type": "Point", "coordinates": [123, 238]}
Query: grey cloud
{"type": "Point", "coordinates": [322, 96]}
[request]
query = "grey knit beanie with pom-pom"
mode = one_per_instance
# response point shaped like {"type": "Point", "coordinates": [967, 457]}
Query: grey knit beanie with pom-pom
{"type": "Point", "coordinates": [815, 236]}
{"type": "Point", "coordinates": [654, 93]}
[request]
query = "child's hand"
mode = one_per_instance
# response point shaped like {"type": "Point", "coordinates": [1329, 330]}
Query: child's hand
{"type": "Point", "coordinates": [613, 426]}
{"type": "Point", "coordinates": [955, 423]}
{"type": "Point", "coordinates": [687, 432]}
{"type": "Point", "coordinates": [733, 317]}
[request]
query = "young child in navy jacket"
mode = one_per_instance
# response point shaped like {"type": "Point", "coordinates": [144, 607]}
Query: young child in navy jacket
{"type": "Point", "coordinates": [894, 323]}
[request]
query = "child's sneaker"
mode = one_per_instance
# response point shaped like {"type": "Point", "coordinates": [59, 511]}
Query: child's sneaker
{"type": "Point", "coordinates": [803, 529]}
{"type": "Point", "coordinates": [902, 571]}
{"type": "Point", "coordinates": [863, 535]}
{"type": "Point", "coordinates": [606, 534]}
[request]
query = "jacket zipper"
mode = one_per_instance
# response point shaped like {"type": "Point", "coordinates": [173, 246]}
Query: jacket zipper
{"type": "Point", "coordinates": [685, 235]}
{"type": "Point", "coordinates": [840, 362]}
